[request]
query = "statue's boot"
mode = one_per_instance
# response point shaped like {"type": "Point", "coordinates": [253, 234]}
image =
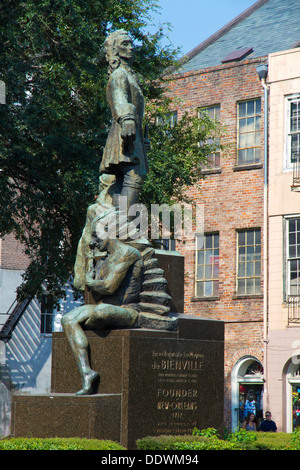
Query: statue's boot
{"type": "Point", "coordinates": [90, 382]}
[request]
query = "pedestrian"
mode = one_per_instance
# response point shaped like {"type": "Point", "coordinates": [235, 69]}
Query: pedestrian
{"type": "Point", "coordinates": [268, 425]}
{"type": "Point", "coordinates": [250, 423]}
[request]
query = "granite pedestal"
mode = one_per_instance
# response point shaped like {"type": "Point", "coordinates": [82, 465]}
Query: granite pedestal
{"type": "Point", "coordinates": [151, 383]}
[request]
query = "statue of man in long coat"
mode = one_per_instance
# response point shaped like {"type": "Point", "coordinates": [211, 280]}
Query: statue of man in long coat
{"type": "Point", "coordinates": [124, 154]}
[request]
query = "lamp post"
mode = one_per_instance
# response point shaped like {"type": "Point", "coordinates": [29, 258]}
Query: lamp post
{"type": "Point", "coordinates": [262, 71]}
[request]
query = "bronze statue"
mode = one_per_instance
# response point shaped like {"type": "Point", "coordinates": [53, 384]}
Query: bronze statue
{"type": "Point", "coordinates": [124, 154]}
{"type": "Point", "coordinates": [117, 273]}
{"type": "Point", "coordinates": [120, 276]}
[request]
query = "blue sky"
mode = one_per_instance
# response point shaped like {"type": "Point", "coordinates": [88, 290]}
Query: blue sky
{"type": "Point", "coordinates": [193, 21]}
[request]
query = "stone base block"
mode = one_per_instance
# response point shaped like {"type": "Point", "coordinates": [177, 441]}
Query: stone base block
{"type": "Point", "coordinates": [151, 383]}
{"type": "Point", "coordinates": [66, 415]}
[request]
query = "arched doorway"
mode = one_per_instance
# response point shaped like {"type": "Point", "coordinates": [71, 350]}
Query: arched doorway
{"type": "Point", "coordinates": [247, 385]}
{"type": "Point", "coordinates": [293, 397]}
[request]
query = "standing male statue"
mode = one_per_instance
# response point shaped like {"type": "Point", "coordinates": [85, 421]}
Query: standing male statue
{"type": "Point", "coordinates": [121, 275]}
{"type": "Point", "coordinates": [124, 154]}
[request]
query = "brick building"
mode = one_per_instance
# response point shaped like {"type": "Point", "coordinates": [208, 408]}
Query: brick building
{"type": "Point", "coordinates": [13, 263]}
{"type": "Point", "coordinates": [225, 274]}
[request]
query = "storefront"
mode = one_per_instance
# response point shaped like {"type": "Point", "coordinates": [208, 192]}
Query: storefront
{"type": "Point", "coordinates": [293, 397]}
{"type": "Point", "coordinates": [247, 390]}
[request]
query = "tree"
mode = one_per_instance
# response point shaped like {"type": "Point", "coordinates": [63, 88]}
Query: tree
{"type": "Point", "coordinates": [179, 151]}
{"type": "Point", "coordinates": [54, 125]}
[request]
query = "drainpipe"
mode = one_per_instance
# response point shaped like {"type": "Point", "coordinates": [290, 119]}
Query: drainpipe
{"type": "Point", "coordinates": [262, 71]}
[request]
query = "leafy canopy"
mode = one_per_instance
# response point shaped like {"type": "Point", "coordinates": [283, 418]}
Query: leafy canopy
{"type": "Point", "coordinates": [54, 124]}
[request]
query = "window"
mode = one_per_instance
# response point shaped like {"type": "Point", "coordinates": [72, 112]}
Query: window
{"type": "Point", "coordinates": [249, 262]}
{"type": "Point", "coordinates": [47, 314]}
{"type": "Point", "coordinates": [2, 92]}
{"type": "Point", "coordinates": [207, 266]}
{"type": "Point", "coordinates": [213, 113]}
{"type": "Point", "coordinates": [293, 256]}
{"type": "Point", "coordinates": [246, 390]}
{"type": "Point", "coordinates": [250, 390]}
{"type": "Point", "coordinates": [293, 396]}
{"type": "Point", "coordinates": [167, 244]}
{"type": "Point", "coordinates": [293, 130]}
{"type": "Point", "coordinates": [249, 132]}
{"type": "Point", "coordinates": [169, 120]}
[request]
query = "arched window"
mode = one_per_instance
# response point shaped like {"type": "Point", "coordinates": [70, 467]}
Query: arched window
{"type": "Point", "coordinates": [293, 396]}
{"type": "Point", "coordinates": [246, 390]}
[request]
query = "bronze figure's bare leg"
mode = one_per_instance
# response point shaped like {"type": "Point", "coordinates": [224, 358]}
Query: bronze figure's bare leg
{"type": "Point", "coordinates": [71, 323]}
{"type": "Point", "coordinates": [96, 317]}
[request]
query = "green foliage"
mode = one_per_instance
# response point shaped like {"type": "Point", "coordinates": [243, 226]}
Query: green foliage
{"type": "Point", "coordinates": [205, 439]}
{"type": "Point", "coordinates": [178, 153]}
{"type": "Point", "coordinates": [58, 444]}
{"type": "Point", "coordinates": [208, 439]}
{"type": "Point", "coordinates": [213, 444]}
{"type": "Point", "coordinates": [208, 432]}
{"type": "Point", "coordinates": [296, 439]}
{"type": "Point", "coordinates": [243, 436]}
{"type": "Point", "coordinates": [166, 442]}
{"type": "Point", "coordinates": [54, 124]}
{"type": "Point", "coordinates": [184, 443]}
{"type": "Point", "coordinates": [264, 440]}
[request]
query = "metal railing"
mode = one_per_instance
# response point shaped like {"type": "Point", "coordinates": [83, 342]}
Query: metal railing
{"type": "Point", "coordinates": [12, 316]}
{"type": "Point", "coordinates": [296, 173]}
{"type": "Point", "coordinates": [293, 302]}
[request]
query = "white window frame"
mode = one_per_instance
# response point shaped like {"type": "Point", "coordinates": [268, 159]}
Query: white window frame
{"type": "Point", "coordinates": [239, 260]}
{"type": "Point", "coordinates": [254, 132]}
{"type": "Point", "coordinates": [201, 240]}
{"type": "Point", "coordinates": [170, 119]}
{"type": "Point", "coordinates": [214, 112]}
{"type": "Point", "coordinates": [287, 287]}
{"type": "Point", "coordinates": [287, 163]}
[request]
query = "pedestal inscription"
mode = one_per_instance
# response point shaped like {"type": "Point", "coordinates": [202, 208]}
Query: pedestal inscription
{"type": "Point", "coordinates": [178, 392]}
{"type": "Point", "coordinates": [178, 386]}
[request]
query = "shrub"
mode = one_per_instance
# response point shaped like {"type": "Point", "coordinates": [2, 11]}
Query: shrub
{"type": "Point", "coordinates": [295, 440]}
{"type": "Point", "coordinates": [57, 444]}
{"type": "Point", "coordinates": [205, 439]}
{"type": "Point", "coordinates": [187, 442]}
{"type": "Point", "coordinates": [162, 442]}
{"type": "Point", "coordinates": [212, 444]}
{"type": "Point", "coordinates": [208, 439]}
{"type": "Point", "coordinates": [262, 440]}
{"type": "Point", "coordinates": [243, 436]}
{"type": "Point", "coordinates": [208, 432]}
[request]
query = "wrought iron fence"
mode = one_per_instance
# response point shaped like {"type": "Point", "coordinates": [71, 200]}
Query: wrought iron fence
{"type": "Point", "coordinates": [293, 309]}
{"type": "Point", "coordinates": [296, 172]}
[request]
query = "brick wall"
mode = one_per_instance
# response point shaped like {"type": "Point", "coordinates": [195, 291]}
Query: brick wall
{"type": "Point", "coordinates": [233, 200]}
{"type": "Point", "coordinates": [12, 254]}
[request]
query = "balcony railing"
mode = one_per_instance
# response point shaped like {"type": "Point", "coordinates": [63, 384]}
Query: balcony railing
{"type": "Point", "coordinates": [293, 309]}
{"type": "Point", "coordinates": [296, 173]}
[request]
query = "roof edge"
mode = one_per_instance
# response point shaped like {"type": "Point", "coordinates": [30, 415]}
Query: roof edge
{"type": "Point", "coordinates": [213, 68]}
{"type": "Point", "coordinates": [211, 39]}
